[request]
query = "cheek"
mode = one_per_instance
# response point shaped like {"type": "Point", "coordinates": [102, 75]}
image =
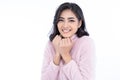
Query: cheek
{"type": "Point", "coordinates": [58, 26]}
{"type": "Point", "coordinates": [75, 28]}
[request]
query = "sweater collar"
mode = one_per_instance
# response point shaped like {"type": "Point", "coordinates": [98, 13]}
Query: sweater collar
{"type": "Point", "coordinates": [74, 37]}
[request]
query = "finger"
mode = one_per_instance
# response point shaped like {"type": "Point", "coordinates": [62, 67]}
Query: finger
{"type": "Point", "coordinates": [61, 42]}
{"type": "Point", "coordinates": [59, 37]}
{"type": "Point", "coordinates": [66, 41]}
{"type": "Point", "coordinates": [69, 41]}
{"type": "Point", "coordinates": [55, 37]}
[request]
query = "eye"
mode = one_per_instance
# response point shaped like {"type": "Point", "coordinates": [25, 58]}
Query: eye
{"type": "Point", "coordinates": [60, 20]}
{"type": "Point", "coordinates": [71, 20]}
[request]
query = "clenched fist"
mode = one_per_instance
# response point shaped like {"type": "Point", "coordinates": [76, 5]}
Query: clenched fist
{"type": "Point", "coordinates": [65, 48]}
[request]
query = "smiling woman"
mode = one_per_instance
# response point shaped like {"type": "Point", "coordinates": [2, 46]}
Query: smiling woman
{"type": "Point", "coordinates": [68, 23]}
{"type": "Point", "coordinates": [69, 54]}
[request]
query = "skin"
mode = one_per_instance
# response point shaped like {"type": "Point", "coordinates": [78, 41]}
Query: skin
{"type": "Point", "coordinates": [68, 25]}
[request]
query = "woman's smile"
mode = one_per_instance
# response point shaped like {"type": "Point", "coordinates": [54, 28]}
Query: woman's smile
{"type": "Point", "coordinates": [66, 30]}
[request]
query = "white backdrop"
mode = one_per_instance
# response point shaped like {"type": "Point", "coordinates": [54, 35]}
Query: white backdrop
{"type": "Point", "coordinates": [24, 28]}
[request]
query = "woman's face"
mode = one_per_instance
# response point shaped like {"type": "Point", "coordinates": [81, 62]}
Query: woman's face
{"type": "Point", "coordinates": [68, 23]}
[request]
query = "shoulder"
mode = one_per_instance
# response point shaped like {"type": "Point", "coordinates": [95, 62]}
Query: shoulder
{"type": "Point", "coordinates": [49, 44]}
{"type": "Point", "coordinates": [85, 39]}
{"type": "Point", "coordinates": [49, 49]}
{"type": "Point", "coordinates": [86, 45]}
{"type": "Point", "coordinates": [85, 42]}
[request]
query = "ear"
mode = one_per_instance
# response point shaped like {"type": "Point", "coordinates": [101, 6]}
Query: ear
{"type": "Point", "coordinates": [80, 23]}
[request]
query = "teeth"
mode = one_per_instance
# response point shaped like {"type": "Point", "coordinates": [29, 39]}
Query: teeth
{"type": "Point", "coordinates": [65, 30]}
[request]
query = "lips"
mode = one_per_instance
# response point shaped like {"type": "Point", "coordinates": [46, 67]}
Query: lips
{"type": "Point", "coordinates": [66, 30]}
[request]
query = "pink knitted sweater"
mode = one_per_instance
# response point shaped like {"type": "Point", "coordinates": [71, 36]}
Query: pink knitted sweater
{"type": "Point", "coordinates": [81, 67]}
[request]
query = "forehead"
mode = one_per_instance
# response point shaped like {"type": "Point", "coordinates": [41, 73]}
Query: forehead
{"type": "Point", "coordinates": [67, 13]}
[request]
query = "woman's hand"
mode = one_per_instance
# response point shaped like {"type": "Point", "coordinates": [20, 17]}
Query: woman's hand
{"type": "Point", "coordinates": [56, 42]}
{"type": "Point", "coordinates": [65, 48]}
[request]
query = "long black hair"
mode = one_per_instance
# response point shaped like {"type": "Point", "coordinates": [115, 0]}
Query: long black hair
{"type": "Point", "coordinates": [78, 13]}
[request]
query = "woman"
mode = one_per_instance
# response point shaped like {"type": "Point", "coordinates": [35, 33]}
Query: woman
{"type": "Point", "coordinates": [70, 52]}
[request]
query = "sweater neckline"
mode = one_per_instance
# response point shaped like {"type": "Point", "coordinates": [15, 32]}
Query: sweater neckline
{"type": "Point", "coordinates": [74, 38]}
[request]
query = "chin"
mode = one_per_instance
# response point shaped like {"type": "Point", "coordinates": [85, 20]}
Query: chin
{"type": "Point", "coordinates": [66, 36]}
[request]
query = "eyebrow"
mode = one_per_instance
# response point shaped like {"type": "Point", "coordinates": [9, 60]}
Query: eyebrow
{"type": "Point", "coordinates": [71, 18]}
{"type": "Point", "coordinates": [68, 18]}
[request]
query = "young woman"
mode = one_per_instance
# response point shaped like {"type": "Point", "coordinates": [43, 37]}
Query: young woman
{"type": "Point", "coordinates": [69, 54]}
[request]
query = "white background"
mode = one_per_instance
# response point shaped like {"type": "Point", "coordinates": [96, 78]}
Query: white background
{"type": "Point", "coordinates": [24, 28]}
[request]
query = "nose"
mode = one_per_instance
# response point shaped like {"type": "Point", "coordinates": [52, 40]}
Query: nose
{"type": "Point", "coordinates": [65, 24]}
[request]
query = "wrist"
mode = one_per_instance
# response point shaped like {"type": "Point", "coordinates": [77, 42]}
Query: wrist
{"type": "Point", "coordinates": [67, 58]}
{"type": "Point", "coordinates": [56, 59]}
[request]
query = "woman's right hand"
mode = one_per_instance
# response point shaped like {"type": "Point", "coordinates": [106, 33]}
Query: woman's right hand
{"type": "Point", "coordinates": [56, 42]}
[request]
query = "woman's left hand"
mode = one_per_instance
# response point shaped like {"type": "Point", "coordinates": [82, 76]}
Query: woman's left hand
{"type": "Point", "coordinates": [65, 48]}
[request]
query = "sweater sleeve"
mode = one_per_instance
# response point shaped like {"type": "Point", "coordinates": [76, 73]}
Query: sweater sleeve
{"type": "Point", "coordinates": [49, 69]}
{"type": "Point", "coordinates": [84, 68]}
